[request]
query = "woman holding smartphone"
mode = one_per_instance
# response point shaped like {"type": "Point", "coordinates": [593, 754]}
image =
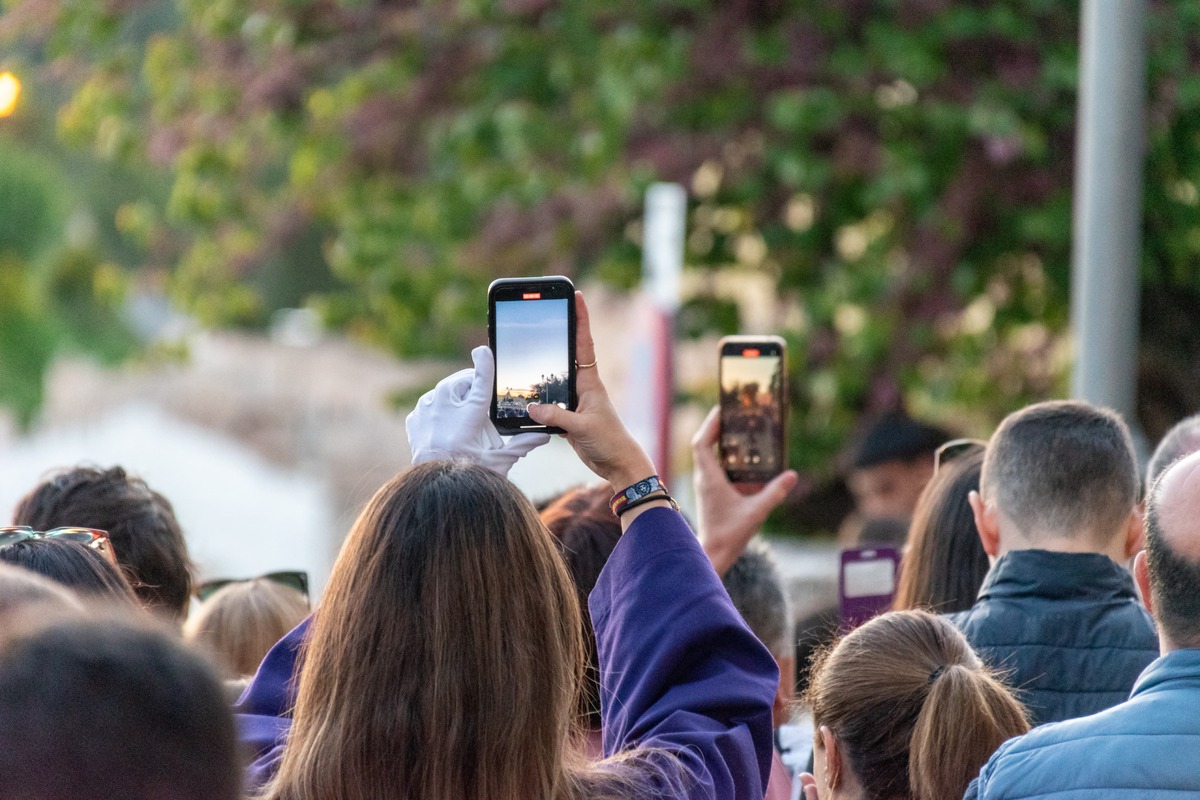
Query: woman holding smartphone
{"type": "Point", "coordinates": [445, 661]}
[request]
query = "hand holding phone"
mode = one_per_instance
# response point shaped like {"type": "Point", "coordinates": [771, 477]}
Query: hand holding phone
{"type": "Point", "coordinates": [594, 430]}
{"type": "Point", "coordinates": [728, 516]}
{"type": "Point", "coordinates": [531, 329]}
{"type": "Point", "coordinates": [753, 407]}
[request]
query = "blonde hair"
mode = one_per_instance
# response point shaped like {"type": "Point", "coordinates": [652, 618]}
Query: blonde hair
{"type": "Point", "coordinates": [917, 712]}
{"type": "Point", "coordinates": [446, 660]}
{"type": "Point", "coordinates": [242, 621]}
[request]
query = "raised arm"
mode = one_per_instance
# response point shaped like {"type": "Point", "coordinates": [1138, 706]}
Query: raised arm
{"type": "Point", "coordinates": [679, 670]}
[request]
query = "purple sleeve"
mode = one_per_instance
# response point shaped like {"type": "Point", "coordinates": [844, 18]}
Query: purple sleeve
{"type": "Point", "coordinates": [264, 711]}
{"type": "Point", "coordinates": [679, 669]}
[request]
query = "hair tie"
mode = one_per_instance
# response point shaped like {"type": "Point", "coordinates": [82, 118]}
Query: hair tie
{"type": "Point", "coordinates": [933, 676]}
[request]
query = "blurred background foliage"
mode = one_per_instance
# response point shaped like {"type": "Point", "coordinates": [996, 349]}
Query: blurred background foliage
{"type": "Point", "coordinates": [901, 169]}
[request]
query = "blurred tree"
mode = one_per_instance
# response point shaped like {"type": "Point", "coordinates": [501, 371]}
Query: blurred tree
{"type": "Point", "coordinates": [55, 294]}
{"type": "Point", "coordinates": [902, 167]}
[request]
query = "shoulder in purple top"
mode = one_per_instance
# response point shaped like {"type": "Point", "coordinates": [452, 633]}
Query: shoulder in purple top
{"type": "Point", "coordinates": [264, 711]}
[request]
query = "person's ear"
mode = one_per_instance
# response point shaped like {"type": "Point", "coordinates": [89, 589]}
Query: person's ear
{"type": "Point", "coordinates": [1135, 533]}
{"type": "Point", "coordinates": [1141, 574]}
{"type": "Point", "coordinates": [833, 757]}
{"type": "Point", "coordinates": [987, 523]}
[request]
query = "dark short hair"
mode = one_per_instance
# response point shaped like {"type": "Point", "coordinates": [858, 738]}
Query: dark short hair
{"type": "Point", "coordinates": [586, 532]}
{"type": "Point", "coordinates": [71, 564]}
{"type": "Point", "coordinates": [141, 524]}
{"type": "Point", "coordinates": [1183, 438]}
{"type": "Point", "coordinates": [756, 589]}
{"type": "Point", "coordinates": [1174, 582]}
{"type": "Point", "coordinates": [896, 436]}
{"type": "Point", "coordinates": [1063, 466]}
{"type": "Point", "coordinates": [97, 709]}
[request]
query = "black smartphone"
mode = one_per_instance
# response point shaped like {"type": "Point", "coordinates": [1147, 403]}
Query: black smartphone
{"type": "Point", "coordinates": [531, 329]}
{"type": "Point", "coordinates": [753, 389]}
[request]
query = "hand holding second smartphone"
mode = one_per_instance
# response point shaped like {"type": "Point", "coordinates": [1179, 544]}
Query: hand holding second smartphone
{"type": "Point", "coordinates": [728, 516]}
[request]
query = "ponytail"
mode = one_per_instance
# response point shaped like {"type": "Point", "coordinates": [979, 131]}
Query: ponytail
{"type": "Point", "coordinates": [966, 716]}
{"type": "Point", "coordinates": [916, 711]}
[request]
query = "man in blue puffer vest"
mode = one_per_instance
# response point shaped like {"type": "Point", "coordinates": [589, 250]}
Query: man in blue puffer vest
{"type": "Point", "coordinates": [1057, 512]}
{"type": "Point", "coordinates": [1148, 746]}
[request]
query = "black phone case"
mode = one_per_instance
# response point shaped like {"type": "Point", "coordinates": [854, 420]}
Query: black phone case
{"type": "Point", "coordinates": [510, 426]}
{"type": "Point", "coordinates": [780, 443]}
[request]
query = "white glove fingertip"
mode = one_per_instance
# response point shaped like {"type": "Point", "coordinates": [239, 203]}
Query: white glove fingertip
{"type": "Point", "coordinates": [485, 375]}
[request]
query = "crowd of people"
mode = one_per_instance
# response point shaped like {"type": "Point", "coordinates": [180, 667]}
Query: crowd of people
{"type": "Point", "coordinates": [1044, 640]}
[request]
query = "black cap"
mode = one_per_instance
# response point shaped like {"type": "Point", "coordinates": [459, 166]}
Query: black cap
{"type": "Point", "coordinates": [897, 437]}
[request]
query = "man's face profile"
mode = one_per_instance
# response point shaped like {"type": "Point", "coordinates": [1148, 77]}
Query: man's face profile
{"type": "Point", "coordinates": [890, 489]}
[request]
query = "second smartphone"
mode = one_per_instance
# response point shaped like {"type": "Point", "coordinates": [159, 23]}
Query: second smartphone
{"type": "Point", "coordinates": [753, 407]}
{"type": "Point", "coordinates": [531, 330]}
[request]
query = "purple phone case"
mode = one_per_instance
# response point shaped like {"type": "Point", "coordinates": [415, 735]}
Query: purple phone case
{"type": "Point", "coordinates": [867, 567]}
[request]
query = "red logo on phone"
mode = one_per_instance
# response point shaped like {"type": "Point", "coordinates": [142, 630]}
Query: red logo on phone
{"type": "Point", "coordinates": [531, 296]}
{"type": "Point", "coordinates": [751, 353]}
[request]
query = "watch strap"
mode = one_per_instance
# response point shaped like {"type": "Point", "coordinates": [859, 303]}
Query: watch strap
{"type": "Point", "coordinates": [634, 495]}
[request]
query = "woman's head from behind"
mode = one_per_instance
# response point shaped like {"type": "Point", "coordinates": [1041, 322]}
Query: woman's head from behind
{"type": "Point", "coordinates": [903, 708]}
{"type": "Point", "coordinates": [446, 656]}
{"type": "Point", "coordinates": [73, 565]}
{"type": "Point", "coordinates": [945, 564]}
{"type": "Point", "coordinates": [97, 707]}
{"type": "Point", "coordinates": [240, 622]}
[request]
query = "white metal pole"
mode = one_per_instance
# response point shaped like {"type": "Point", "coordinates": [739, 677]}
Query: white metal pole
{"type": "Point", "coordinates": [1106, 255]}
{"type": "Point", "coordinates": [662, 269]}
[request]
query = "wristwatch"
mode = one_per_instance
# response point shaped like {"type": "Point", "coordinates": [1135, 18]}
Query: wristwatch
{"type": "Point", "coordinates": [638, 493]}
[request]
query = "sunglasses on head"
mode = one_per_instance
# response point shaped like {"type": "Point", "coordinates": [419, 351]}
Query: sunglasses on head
{"type": "Point", "coordinates": [91, 537]}
{"type": "Point", "coordinates": [953, 449]}
{"type": "Point", "coordinates": [293, 580]}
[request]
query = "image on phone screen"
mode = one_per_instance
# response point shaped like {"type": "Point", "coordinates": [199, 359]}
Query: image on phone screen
{"type": "Point", "coordinates": [751, 413]}
{"type": "Point", "coordinates": [532, 355]}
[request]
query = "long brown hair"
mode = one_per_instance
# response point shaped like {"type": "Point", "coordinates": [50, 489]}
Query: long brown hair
{"type": "Point", "coordinates": [945, 564]}
{"type": "Point", "coordinates": [916, 711]}
{"type": "Point", "coordinates": [446, 657]}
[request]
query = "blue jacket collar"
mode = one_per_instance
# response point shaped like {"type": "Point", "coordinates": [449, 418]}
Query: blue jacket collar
{"type": "Point", "coordinates": [1057, 576]}
{"type": "Point", "coordinates": [1174, 667]}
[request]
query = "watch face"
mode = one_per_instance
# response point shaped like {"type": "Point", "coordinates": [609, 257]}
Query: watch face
{"type": "Point", "coordinates": [641, 489]}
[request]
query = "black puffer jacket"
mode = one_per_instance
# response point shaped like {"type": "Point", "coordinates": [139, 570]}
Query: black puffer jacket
{"type": "Point", "coordinates": [1067, 627]}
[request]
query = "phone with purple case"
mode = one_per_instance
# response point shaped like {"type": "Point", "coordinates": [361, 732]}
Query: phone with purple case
{"type": "Point", "coordinates": [867, 579]}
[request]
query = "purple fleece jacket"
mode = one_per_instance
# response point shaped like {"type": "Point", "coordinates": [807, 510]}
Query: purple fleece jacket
{"type": "Point", "coordinates": [679, 669]}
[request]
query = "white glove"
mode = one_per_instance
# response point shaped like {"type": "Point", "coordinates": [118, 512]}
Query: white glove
{"type": "Point", "coordinates": [452, 421]}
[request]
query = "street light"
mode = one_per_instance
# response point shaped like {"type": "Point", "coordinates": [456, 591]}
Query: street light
{"type": "Point", "coordinates": [10, 90]}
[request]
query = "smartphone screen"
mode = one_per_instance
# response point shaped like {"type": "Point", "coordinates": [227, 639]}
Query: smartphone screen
{"type": "Point", "coordinates": [532, 336]}
{"type": "Point", "coordinates": [753, 408]}
{"type": "Point", "coordinates": [866, 583]}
